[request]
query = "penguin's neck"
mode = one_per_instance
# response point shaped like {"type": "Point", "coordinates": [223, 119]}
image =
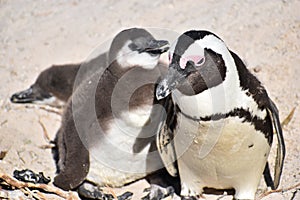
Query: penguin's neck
{"type": "Point", "coordinates": [117, 71]}
{"type": "Point", "coordinates": [129, 88]}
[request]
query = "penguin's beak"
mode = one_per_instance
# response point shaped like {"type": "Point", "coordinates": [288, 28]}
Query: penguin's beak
{"type": "Point", "coordinates": [157, 47]}
{"type": "Point", "coordinates": [171, 81]}
{"type": "Point", "coordinates": [25, 96]}
{"type": "Point", "coordinates": [28, 96]}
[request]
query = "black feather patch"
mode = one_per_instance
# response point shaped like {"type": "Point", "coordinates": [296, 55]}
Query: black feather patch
{"type": "Point", "coordinates": [263, 125]}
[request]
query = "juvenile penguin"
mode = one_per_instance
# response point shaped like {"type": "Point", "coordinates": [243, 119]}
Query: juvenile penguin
{"type": "Point", "coordinates": [55, 84]}
{"type": "Point", "coordinates": [108, 131]}
{"type": "Point", "coordinates": [222, 127]}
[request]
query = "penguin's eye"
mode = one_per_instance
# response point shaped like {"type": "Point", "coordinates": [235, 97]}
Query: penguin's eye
{"type": "Point", "coordinates": [196, 59]}
{"type": "Point", "coordinates": [133, 47]}
{"type": "Point", "coordinates": [200, 62]}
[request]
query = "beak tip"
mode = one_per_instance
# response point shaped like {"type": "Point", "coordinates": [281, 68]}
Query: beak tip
{"type": "Point", "coordinates": [13, 98]}
{"type": "Point", "coordinates": [25, 96]}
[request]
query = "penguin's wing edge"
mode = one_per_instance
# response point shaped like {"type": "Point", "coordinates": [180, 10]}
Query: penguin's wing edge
{"type": "Point", "coordinates": [164, 140]}
{"type": "Point", "coordinates": [274, 114]}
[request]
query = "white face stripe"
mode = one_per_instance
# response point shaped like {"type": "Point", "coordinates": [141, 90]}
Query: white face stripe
{"type": "Point", "coordinates": [128, 58]}
{"type": "Point", "coordinates": [213, 43]}
{"type": "Point", "coordinates": [195, 52]}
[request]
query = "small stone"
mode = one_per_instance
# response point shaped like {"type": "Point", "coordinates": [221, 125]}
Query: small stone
{"type": "Point", "coordinates": [257, 69]}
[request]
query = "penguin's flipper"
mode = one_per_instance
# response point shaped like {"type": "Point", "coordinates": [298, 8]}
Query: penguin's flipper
{"type": "Point", "coordinates": [73, 157]}
{"type": "Point", "coordinates": [164, 140]}
{"type": "Point", "coordinates": [74, 172]}
{"type": "Point", "coordinates": [274, 114]}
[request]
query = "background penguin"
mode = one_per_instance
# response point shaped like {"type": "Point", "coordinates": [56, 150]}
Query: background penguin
{"type": "Point", "coordinates": [108, 130]}
{"type": "Point", "coordinates": [223, 124]}
{"type": "Point", "coordinates": [55, 84]}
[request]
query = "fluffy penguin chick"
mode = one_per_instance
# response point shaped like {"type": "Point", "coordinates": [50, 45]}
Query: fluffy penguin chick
{"type": "Point", "coordinates": [55, 84]}
{"type": "Point", "coordinates": [108, 130]}
{"type": "Point", "coordinates": [223, 121]}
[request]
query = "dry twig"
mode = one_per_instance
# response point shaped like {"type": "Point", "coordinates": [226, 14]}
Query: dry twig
{"type": "Point", "coordinates": [287, 120]}
{"type": "Point", "coordinates": [297, 186]}
{"type": "Point", "coordinates": [45, 132]}
{"type": "Point", "coordinates": [51, 109]}
{"type": "Point", "coordinates": [111, 191]}
{"type": "Point", "coordinates": [52, 189]}
{"type": "Point", "coordinates": [47, 146]}
{"type": "Point", "coordinates": [54, 110]}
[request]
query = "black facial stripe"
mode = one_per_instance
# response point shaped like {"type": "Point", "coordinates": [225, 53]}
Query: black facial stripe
{"type": "Point", "coordinates": [263, 125]}
{"type": "Point", "coordinates": [199, 34]}
{"type": "Point", "coordinates": [209, 75]}
{"type": "Point", "coordinates": [216, 61]}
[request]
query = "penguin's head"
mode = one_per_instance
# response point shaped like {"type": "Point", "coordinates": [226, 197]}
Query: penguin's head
{"type": "Point", "coordinates": [47, 89]}
{"type": "Point", "coordinates": [136, 47]}
{"type": "Point", "coordinates": [198, 61]}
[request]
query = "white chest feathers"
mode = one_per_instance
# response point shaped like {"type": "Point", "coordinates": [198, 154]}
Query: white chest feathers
{"type": "Point", "coordinates": [113, 160]}
{"type": "Point", "coordinates": [227, 153]}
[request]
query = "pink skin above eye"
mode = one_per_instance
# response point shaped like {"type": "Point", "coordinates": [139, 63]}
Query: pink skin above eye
{"type": "Point", "coordinates": [194, 58]}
